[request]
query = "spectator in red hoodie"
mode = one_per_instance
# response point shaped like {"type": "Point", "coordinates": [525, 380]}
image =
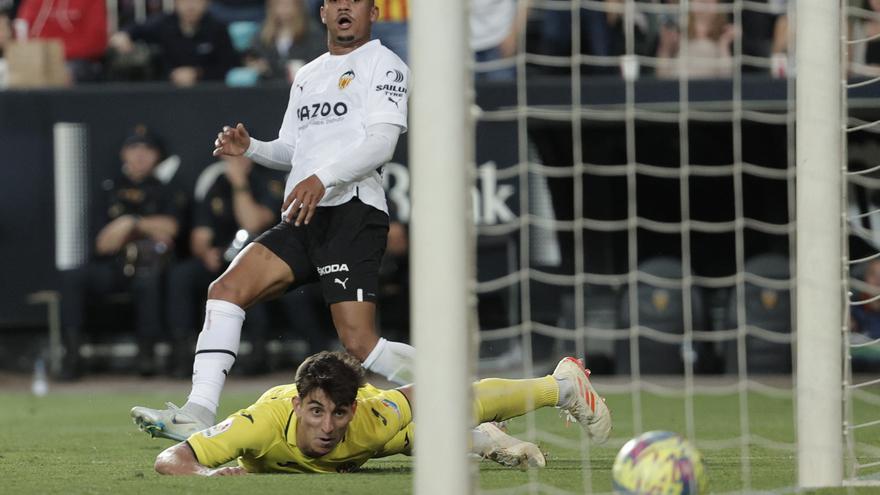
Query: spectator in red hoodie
{"type": "Point", "coordinates": [81, 25]}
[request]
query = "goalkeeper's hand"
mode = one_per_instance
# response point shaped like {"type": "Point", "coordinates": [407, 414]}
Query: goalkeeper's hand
{"type": "Point", "coordinates": [232, 141]}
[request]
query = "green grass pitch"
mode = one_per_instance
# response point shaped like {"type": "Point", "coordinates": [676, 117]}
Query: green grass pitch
{"type": "Point", "coordinates": [82, 441]}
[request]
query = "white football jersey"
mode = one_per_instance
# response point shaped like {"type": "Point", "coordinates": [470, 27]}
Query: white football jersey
{"type": "Point", "coordinates": [333, 100]}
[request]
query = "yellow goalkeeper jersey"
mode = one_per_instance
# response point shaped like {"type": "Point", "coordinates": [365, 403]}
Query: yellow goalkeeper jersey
{"type": "Point", "coordinates": [263, 436]}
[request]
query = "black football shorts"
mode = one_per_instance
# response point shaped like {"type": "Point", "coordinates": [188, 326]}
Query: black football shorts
{"type": "Point", "coordinates": [341, 248]}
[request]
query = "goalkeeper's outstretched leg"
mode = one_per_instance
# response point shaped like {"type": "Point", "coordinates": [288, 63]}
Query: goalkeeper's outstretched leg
{"type": "Point", "coordinates": [568, 388]}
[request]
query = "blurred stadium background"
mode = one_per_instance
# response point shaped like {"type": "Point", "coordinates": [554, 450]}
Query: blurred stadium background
{"type": "Point", "coordinates": [633, 200]}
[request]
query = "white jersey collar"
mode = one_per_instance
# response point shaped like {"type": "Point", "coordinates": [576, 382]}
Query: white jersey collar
{"type": "Point", "coordinates": [371, 43]}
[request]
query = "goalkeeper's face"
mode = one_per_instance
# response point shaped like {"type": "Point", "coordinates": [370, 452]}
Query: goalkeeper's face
{"type": "Point", "coordinates": [349, 23]}
{"type": "Point", "coordinates": [321, 424]}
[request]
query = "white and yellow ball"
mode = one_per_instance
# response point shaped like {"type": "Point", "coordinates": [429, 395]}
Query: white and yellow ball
{"type": "Point", "coordinates": [659, 463]}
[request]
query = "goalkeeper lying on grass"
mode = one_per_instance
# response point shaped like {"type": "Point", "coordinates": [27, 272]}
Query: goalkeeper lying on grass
{"type": "Point", "coordinates": [331, 421]}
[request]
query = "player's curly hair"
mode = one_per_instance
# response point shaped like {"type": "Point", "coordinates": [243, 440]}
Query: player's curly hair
{"type": "Point", "coordinates": [338, 374]}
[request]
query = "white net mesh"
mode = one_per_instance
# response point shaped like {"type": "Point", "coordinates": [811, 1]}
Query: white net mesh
{"type": "Point", "coordinates": [652, 230]}
{"type": "Point", "coordinates": [862, 341]}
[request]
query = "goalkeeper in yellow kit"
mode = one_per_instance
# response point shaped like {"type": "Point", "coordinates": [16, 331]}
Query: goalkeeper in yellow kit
{"type": "Point", "coordinates": [331, 421]}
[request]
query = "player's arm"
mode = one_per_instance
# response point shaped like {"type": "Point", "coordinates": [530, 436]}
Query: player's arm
{"type": "Point", "coordinates": [277, 154]}
{"type": "Point", "coordinates": [375, 151]}
{"type": "Point", "coordinates": [236, 141]}
{"type": "Point", "coordinates": [181, 460]}
{"type": "Point", "coordinates": [249, 432]}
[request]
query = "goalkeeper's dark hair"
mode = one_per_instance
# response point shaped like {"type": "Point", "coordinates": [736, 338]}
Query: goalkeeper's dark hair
{"type": "Point", "coordinates": [337, 373]}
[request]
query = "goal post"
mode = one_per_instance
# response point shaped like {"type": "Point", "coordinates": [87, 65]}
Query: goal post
{"type": "Point", "coordinates": [819, 243]}
{"type": "Point", "coordinates": [441, 160]}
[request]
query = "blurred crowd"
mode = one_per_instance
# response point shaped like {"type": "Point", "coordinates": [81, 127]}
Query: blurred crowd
{"type": "Point", "coordinates": [246, 42]}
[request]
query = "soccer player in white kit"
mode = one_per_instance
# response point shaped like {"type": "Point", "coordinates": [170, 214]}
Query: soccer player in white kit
{"type": "Point", "coordinates": [346, 111]}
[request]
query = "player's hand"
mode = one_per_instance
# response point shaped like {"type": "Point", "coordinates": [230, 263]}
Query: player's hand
{"type": "Point", "coordinates": [303, 200]}
{"type": "Point", "coordinates": [229, 471]}
{"type": "Point", "coordinates": [232, 141]}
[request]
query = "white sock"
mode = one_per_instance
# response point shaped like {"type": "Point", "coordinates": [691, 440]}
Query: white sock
{"type": "Point", "coordinates": [566, 391]}
{"type": "Point", "coordinates": [393, 360]}
{"type": "Point", "coordinates": [215, 352]}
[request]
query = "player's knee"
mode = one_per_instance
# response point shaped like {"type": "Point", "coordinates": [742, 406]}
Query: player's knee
{"type": "Point", "coordinates": [161, 465]}
{"type": "Point", "coordinates": [226, 290]}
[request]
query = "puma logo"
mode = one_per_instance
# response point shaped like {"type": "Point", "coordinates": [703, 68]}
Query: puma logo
{"type": "Point", "coordinates": [341, 282]}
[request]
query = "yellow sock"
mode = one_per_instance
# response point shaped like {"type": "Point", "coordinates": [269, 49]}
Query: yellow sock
{"type": "Point", "coordinates": [496, 399]}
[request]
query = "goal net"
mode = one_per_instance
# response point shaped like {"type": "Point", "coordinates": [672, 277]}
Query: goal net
{"type": "Point", "coordinates": [636, 207]}
{"type": "Point", "coordinates": [862, 287]}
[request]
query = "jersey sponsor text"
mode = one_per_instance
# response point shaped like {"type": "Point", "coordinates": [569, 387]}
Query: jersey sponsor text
{"type": "Point", "coordinates": [336, 267]}
{"type": "Point", "coordinates": [322, 109]}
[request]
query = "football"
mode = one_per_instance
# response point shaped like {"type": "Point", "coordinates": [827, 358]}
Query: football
{"type": "Point", "coordinates": [659, 462]}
